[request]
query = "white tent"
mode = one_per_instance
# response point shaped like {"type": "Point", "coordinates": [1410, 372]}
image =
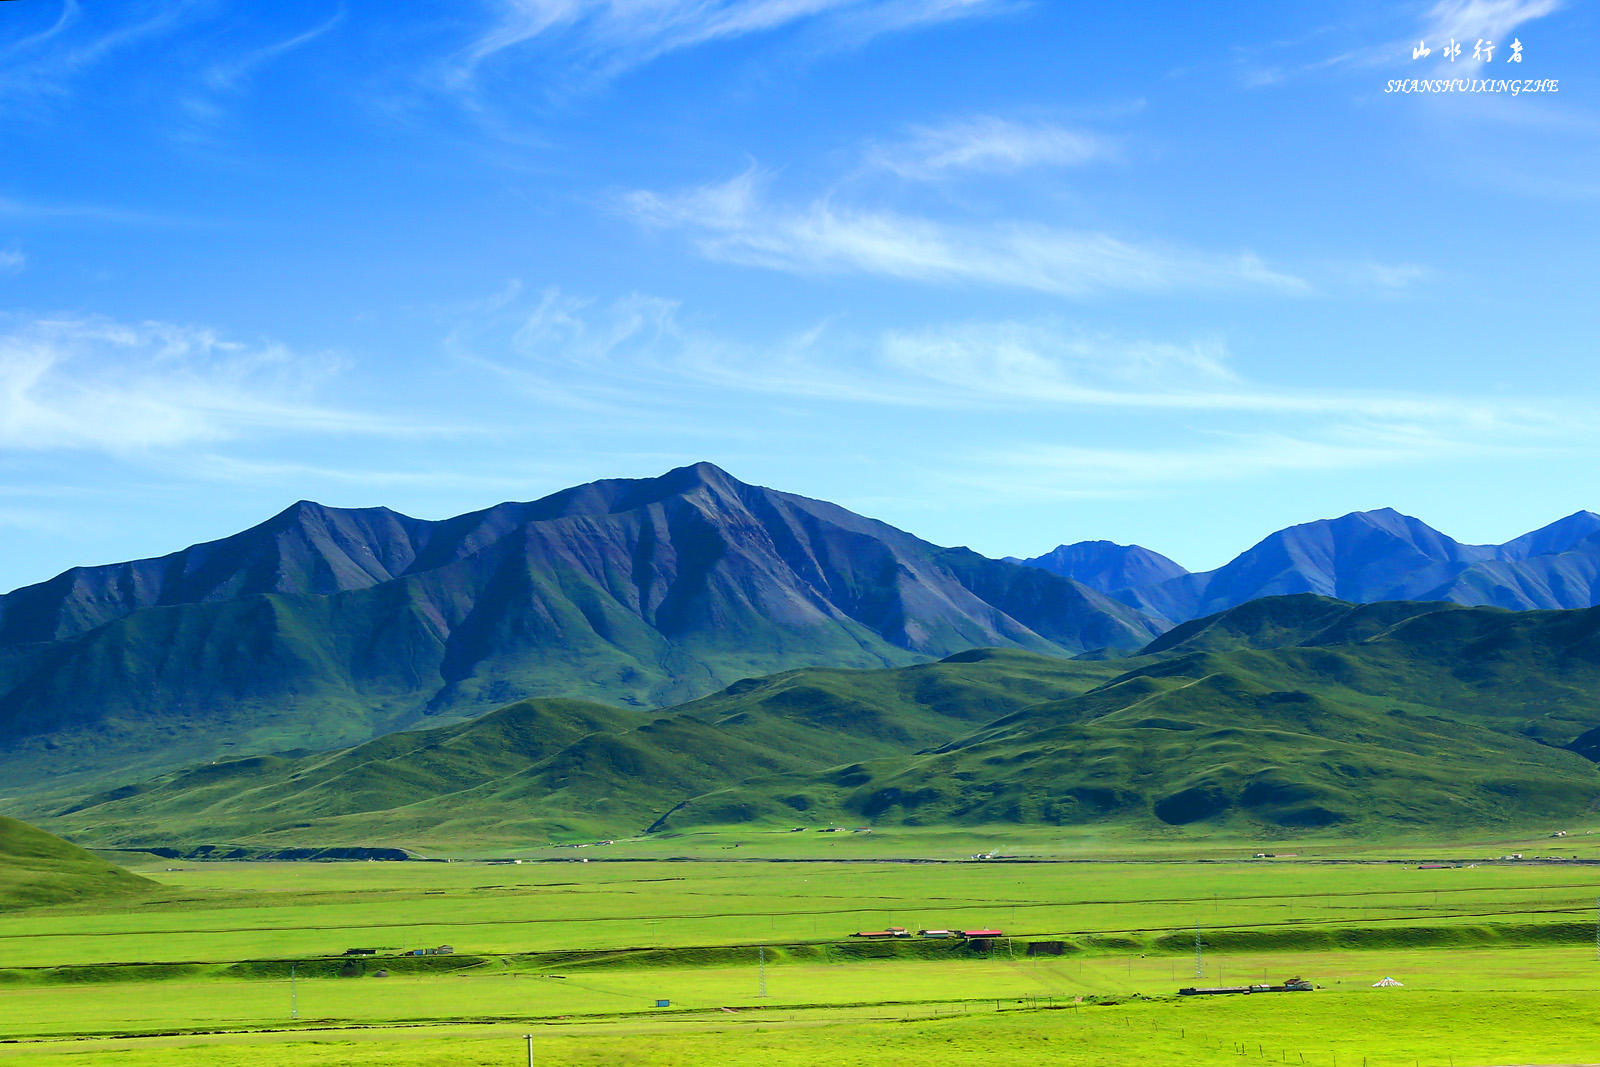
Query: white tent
{"type": "Point", "coordinates": [1385, 981]}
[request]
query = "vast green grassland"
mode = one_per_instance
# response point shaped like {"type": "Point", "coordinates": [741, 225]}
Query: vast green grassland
{"type": "Point", "coordinates": [1398, 1028]}
{"type": "Point", "coordinates": [240, 963]}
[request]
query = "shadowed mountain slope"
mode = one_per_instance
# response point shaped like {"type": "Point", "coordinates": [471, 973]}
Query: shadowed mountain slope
{"type": "Point", "coordinates": [1283, 714]}
{"type": "Point", "coordinates": [306, 548]}
{"type": "Point", "coordinates": [324, 628]}
{"type": "Point", "coordinates": [39, 868]}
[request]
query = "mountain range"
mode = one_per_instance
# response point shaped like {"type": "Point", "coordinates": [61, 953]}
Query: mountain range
{"type": "Point", "coordinates": [1283, 715]}
{"type": "Point", "coordinates": [641, 638]}
{"type": "Point", "coordinates": [325, 627]}
{"type": "Point", "coordinates": [1363, 557]}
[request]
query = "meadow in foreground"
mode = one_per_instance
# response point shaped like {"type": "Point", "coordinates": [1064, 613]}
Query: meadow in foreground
{"type": "Point", "coordinates": [242, 963]}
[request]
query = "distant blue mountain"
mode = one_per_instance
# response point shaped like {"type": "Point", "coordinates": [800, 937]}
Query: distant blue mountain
{"type": "Point", "coordinates": [1362, 557]}
{"type": "Point", "coordinates": [1567, 578]}
{"type": "Point", "coordinates": [1560, 536]}
{"type": "Point", "coordinates": [1106, 566]}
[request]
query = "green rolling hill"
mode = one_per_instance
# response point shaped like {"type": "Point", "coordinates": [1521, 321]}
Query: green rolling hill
{"type": "Point", "coordinates": [574, 769]}
{"type": "Point", "coordinates": [1285, 714]}
{"type": "Point", "coordinates": [38, 868]}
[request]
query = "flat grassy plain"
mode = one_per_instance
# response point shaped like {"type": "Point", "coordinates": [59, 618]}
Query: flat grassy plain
{"type": "Point", "coordinates": [1498, 958]}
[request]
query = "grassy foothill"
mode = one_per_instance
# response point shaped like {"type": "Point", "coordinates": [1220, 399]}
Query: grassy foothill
{"type": "Point", "coordinates": [40, 868]}
{"type": "Point", "coordinates": [1292, 717]}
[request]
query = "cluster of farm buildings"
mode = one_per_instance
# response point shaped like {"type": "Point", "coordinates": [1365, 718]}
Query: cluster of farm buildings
{"type": "Point", "coordinates": [900, 931]}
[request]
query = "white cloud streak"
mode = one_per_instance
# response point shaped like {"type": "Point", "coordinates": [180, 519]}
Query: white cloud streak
{"type": "Point", "coordinates": [1043, 365]}
{"type": "Point", "coordinates": [989, 145]}
{"type": "Point", "coordinates": [233, 75]}
{"type": "Point", "coordinates": [639, 355]}
{"type": "Point", "coordinates": [33, 210]}
{"type": "Point", "coordinates": [230, 75]}
{"type": "Point", "coordinates": [614, 35]}
{"type": "Point", "coordinates": [1031, 470]}
{"type": "Point", "coordinates": [638, 350]}
{"type": "Point", "coordinates": [1464, 21]}
{"type": "Point", "coordinates": [732, 222]}
{"type": "Point", "coordinates": [69, 14]}
{"type": "Point", "coordinates": [94, 384]}
{"type": "Point", "coordinates": [45, 63]}
{"type": "Point", "coordinates": [12, 261]}
{"type": "Point", "coordinates": [1470, 20]}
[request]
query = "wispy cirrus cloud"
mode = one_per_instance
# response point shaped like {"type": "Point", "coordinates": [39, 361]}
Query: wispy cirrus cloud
{"type": "Point", "coordinates": [640, 347]}
{"type": "Point", "coordinates": [613, 35]}
{"type": "Point", "coordinates": [232, 75]}
{"type": "Point", "coordinates": [1043, 364]}
{"type": "Point", "coordinates": [12, 261]}
{"type": "Point", "coordinates": [641, 358]}
{"type": "Point", "coordinates": [1463, 21]}
{"type": "Point", "coordinates": [45, 211]}
{"type": "Point", "coordinates": [69, 13]}
{"type": "Point", "coordinates": [1469, 20]}
{"type": "Point", "coordinates": [733, 222]}
{"type": "Point", "coordinates": [45, 63]}
{"type": "Point", "coordinates": [987, 144]}
{"type": "Point", "coordinates": [75, 383]}
{"type": "Point", "coordinates": [195, 51]}
{"type": "Point", "coordinates": [1035, 470]}
{"type": "Point", "coordinates": [228, 75]}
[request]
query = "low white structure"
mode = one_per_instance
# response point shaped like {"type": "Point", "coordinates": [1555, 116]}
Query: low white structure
{"type": "Point", "coordinates": [1384, 982]}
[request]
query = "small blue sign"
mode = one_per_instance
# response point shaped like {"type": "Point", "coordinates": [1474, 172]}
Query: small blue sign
{"type": "Point", "coordinates": [663, 1003]}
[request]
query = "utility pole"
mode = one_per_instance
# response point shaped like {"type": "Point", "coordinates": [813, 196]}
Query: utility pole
{"type": "Point", "coordinates": [530, 1049]}
{"type": "Point", "coordinates": [294, 995]}
{"type": "Point", "coordinates": [763, 965]}
{"type": "Point", "coordinates": [1597, 928]}
{"type": "Point", "coordinates": [1199, 963]}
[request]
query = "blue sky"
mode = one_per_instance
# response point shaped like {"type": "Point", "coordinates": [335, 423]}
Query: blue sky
{"type": "Point", "coordinates": [1003, 273]}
